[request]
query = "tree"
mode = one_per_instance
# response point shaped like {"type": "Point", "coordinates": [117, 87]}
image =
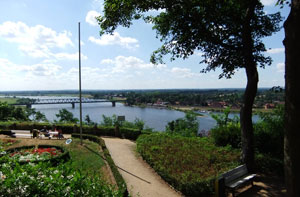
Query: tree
{"type": "Point", "coordinates": [228, 32]}
{"type": "Point", "coordinates": [187, 126]}
{"type": "Point", "coordinates": [88, 120]}
{"type": "Point", "coordinates": [292, 106]}
{"type": "Point", "coordinates": [39, 116]}
{"type": "Point", "coordinates": [66, 116]}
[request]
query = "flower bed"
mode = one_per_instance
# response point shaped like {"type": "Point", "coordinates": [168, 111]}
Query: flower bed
{"type": "Point", "coordinates": [36, 154]}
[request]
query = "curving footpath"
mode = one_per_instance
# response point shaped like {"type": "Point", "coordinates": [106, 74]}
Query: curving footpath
{"type": "Point", "coordinates": [140, 178]}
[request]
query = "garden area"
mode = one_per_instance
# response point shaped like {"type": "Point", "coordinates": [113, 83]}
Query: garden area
{"type": "Point", "coordinates": [189, 163]}
{"type": "Point", "coordinates": [30, 167]}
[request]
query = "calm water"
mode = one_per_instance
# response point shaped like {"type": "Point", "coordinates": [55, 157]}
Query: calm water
{"type": "Point", "coordinates": [153, 117]}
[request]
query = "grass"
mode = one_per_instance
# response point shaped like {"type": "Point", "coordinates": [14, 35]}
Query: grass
{"type": "Point", "coordinates": [83, 158]}
{"type": "Point", "coordinates": [9, 100]}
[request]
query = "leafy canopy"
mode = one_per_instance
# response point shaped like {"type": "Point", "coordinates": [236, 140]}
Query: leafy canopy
{"type": "Point", "coordinates": [187, 26]}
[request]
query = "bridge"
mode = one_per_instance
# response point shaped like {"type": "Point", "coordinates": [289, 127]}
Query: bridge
{"type": "Point", "coordinates": [67, 101]}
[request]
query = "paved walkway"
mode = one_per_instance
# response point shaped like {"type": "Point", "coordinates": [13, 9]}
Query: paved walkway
{"type": "Point", "coordinates": [141, 180]}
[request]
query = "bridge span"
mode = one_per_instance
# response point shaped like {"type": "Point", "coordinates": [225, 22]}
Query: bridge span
{"type": "Point", "coordinates": [68, 101]}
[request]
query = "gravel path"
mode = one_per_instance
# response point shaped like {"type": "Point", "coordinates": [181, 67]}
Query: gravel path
{"type": "Point", "coordinates": [141, 180]}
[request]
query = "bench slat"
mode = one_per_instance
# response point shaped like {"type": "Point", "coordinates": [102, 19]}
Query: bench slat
{"type": "Point", "coordinates": [20, 131]}
{"type": "Point", "coordinates": [240, 181]}
{"type": "Point", "coordinates": [236, 173]}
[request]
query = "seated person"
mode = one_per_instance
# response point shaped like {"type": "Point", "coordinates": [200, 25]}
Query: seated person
{"type": "Point", "coordinates": [35, 133]}
{"type": "Point", "coordinates": [60, 135]}
{"type": "Point", "coordinates": [45, 131]}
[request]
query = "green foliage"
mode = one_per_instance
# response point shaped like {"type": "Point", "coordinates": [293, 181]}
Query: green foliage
{"type": "Point", "coordinates": [66, 116]}
{"type": "Point", "coordinates": [227, 131]}
{"type": "Point", "coordinates": [25, 101]}
{"type": "Point", "coordinates": [268, 138]}
{"type": "Point", "coordinates": [229, 134]}
{"type": "Point", "coordinates": [215, 27]}
{"type": "Point", "coordinates": [269, 164]}
{"type": "Point", "coordinates": [222, 119]}
{"type": "Point", "coordinates": [189, 164]}
{"type": "Point", "coordinates": [113, 121]}
{"type": "Point", "coordinates": [44, 180]}
{"type": "Point", "coordinates": [269, 133]}
{"type": "Point", "coordinates": [9, 112]}
{"type": "Point", "coordinates": [187, 126]}
{"type": "Point", "coordinates": [109, 121]}
{"type": "Point", "coordinates": [88, 120]}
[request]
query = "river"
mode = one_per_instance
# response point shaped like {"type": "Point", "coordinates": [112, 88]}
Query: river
{"type": "Point", "coordinates": [153, 117]}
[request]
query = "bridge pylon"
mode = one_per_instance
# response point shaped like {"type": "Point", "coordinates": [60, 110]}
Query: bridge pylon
{"type": "Point", "coordinates": [73, 105]}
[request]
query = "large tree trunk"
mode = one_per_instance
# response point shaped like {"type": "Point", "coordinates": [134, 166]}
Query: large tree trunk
{"type": "Point", "coordinates": [246, 118]}
{"type": "Point", "coordinates": [251, 89]}
{"type": "Point", "coordinates": [292, 100]}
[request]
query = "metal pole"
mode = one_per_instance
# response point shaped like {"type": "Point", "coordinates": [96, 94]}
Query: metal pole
{"type": "Point", "coordinates": [80, 101]}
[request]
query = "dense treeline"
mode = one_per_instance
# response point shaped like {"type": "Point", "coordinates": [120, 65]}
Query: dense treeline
{"type": "Point", "coordinates": [231, 97]}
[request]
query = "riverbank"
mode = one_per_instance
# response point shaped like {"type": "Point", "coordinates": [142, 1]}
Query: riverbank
{"type": "Point", "coordinates": [214, 109]}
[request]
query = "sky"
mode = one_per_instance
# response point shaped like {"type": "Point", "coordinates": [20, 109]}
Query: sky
{"type": "Point", "coordinates": [39, 51]}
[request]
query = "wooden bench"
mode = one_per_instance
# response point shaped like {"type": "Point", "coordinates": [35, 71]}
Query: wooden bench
{"type": "Point", "coordinates": [237, 177]}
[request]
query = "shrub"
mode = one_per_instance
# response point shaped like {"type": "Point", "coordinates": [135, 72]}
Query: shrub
{"type": "Point", "coordinates": [268, 138]}
{"type": "Point", "coordinates": [189, 164]}
{"type": "Point", "coordinates": [187, 126]}
{"type": "Point", "coordinates": [229, 134]}
{"type": "Point", "coordinates": [44, 180]}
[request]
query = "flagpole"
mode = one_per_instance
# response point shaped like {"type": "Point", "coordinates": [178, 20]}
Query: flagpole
{"type": "Point", "coordinates": [80, 101]}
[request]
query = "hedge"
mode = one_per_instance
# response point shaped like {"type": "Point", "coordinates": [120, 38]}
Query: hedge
{"type": "Point", "coordinates": [189, 164]}
{"type": "Point", "coordinates": [118, 177]}
{"type": "Point", "coordinates": [68, 128]}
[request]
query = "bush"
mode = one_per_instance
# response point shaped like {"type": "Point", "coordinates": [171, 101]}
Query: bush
{"type": "Point", "coordinates": [269, 164]}
{"type": "Point", "coordinates": [187, 126]}
{"type": "Point", "coordinates": [229, 134]}
{"type": "Point", "coordinates": [44, 180]}
{"type": "Point", "coordinates": [268, 139]}
{"type": "Point", "coordinates": [129, 133]}
{"type": "Point", "coordinates": [189, 164]}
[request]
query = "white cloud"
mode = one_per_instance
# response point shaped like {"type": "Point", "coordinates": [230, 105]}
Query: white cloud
{"type": "Point", "coordinates": [268, 2]}
{"type": "Point", "coordinates": [90, 17]}
{"type": "Point", "coordinates": [69, 56]}
{"type": "Point", "coordinates": [122, 64]}
{"type": "Point", "coordinates": [35, 41]}
{"type": "Point", "coordinates": [12, 70]}
{"type": "Point", "coordinates": [41, 69]}
{"type": "Point", "coordinates": [183, 72]}
{"type": "Point", "coordinates": [275, 50]}
{"type": "Point", "coordinates": [280, 67]}
{"type": "Point", "coordinates": [115, 39]}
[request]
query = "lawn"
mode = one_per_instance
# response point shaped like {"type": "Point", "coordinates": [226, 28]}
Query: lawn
{"type": "Point", "coordinates": [9, 100]}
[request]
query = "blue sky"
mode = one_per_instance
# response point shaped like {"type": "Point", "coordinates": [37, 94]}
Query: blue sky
{"type": "Point", "coordinates": [39, 51]}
